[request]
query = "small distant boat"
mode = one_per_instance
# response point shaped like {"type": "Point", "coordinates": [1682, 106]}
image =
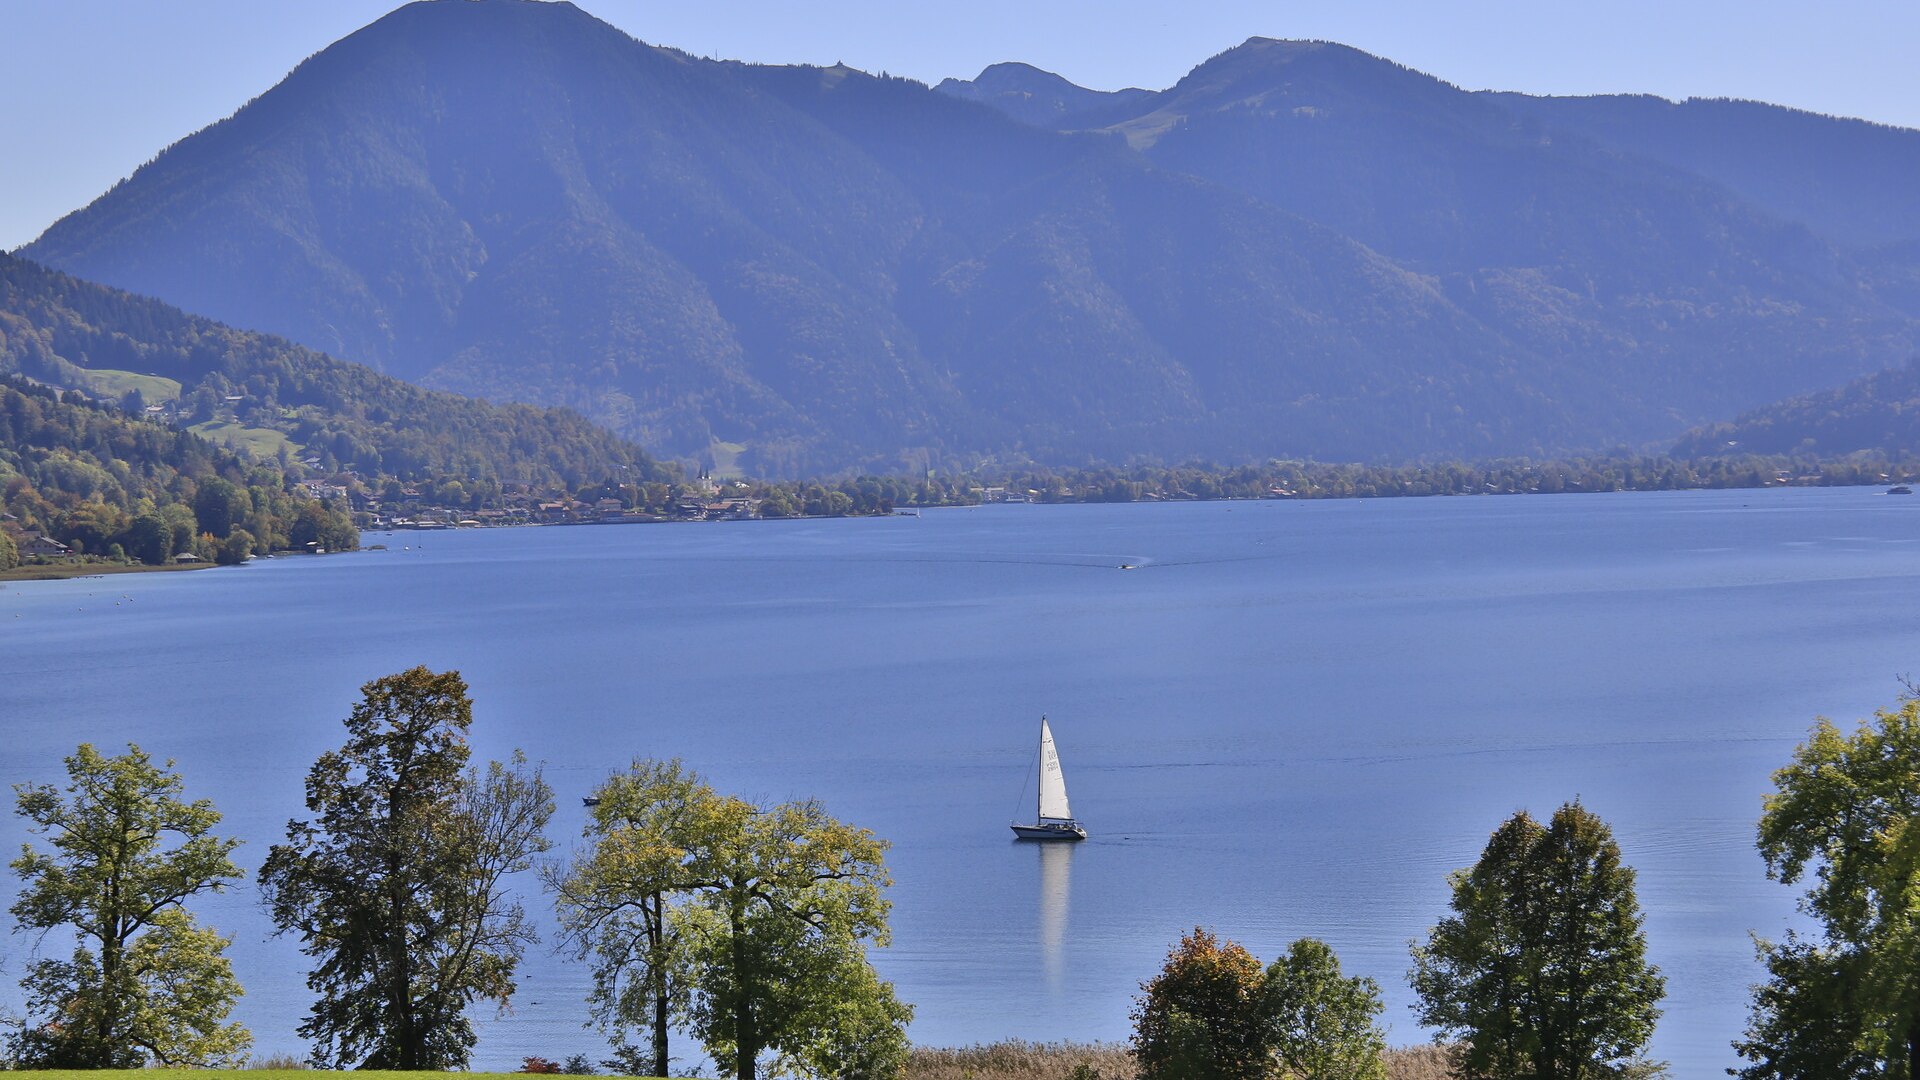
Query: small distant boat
{"type": "Point", "coordinates": [1054, 821]}
{"type": "Point", "coordinates": [1899, 489]}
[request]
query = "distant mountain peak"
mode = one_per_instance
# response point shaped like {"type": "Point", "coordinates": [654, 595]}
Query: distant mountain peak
{"type": "Point", "coordinates": [1039, 97]}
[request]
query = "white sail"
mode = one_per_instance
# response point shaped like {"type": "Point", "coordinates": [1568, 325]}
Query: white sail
{"type": "Point", "coordinates": [1053, 783]}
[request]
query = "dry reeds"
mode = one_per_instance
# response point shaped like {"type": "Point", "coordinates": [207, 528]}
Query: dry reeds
{"type": "Point", "coordinates": [1017, 1060]}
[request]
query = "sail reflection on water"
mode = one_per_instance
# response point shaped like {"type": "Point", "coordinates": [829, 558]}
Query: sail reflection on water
{"type": "Point", "coordinates": [1056, 882]}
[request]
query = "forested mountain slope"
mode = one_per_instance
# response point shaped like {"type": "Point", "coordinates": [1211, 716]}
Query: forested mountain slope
{"type": "Point", "coordinates": [1880, 412]}
{"type": "Point", "coordinates": [103, 483]}
{"type": "Point", "coordinates": [268, 394]}
{"type": "Point", "coordinates": [1299, 250]}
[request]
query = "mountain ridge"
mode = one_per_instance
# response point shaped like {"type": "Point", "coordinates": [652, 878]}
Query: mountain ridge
{"type": "Point", "coordinates": [842, 270]}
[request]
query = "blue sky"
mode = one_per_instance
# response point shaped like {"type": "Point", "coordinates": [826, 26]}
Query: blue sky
{"type": "Point", "coordinates": [96, 87]}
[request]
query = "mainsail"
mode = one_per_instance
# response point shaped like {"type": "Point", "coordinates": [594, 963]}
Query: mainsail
{"type": "Point", "coordinates": [1053, 783]}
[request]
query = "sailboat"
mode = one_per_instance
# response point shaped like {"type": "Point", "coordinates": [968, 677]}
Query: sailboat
{"type": "Point", "coordinates": [1054, 821]}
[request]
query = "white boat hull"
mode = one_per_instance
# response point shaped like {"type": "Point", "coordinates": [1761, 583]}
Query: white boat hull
{"type": "Point", "coordinates": [1064, 830]}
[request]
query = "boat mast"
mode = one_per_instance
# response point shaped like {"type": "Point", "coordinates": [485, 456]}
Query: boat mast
{"type": "Point", "coordinates": [1040, 776]}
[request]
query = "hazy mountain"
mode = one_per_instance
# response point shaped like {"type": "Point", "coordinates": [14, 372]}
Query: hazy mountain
{"type": "Point", "coordinates": [1878, 412]}
{"type": "Point", "coordinates": [1298, 250]}
{"type": "Point", "coordinates": [262, 392]}
{"type": "Point", "coordinates": [1851, 181]}
{"type": "Point", "coordinates": [1041, 98]}
{"type": "Point", "coordinates": [1568, 246]}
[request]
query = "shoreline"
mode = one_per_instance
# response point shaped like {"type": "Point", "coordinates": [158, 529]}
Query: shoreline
{"type": "Point", "coordinates": [68, 571]}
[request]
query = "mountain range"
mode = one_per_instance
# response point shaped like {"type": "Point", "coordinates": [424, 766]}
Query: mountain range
{"type": "Point", "coordinates": [1297, 250]}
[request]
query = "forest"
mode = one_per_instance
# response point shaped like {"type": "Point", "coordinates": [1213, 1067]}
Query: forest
{"type": "Point", "coordinates": [111, 487]}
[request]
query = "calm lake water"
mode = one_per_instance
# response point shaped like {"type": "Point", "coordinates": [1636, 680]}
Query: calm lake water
{"type": "Point", "coordinates": [1292, 719]}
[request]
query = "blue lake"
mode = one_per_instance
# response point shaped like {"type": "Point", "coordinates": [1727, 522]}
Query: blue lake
{"type": "Point", "coordinates": [1291, 719]}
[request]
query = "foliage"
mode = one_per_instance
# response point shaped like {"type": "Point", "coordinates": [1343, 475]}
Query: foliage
{"type": "Point", "coordinates": [397, 887]}
{"type": "Point", "coordinates": [145, 983]}
{"type": "Point", "coordinates": [748, 924]}
{"type": "Point", "coordinates": [1203, 1017]}
{"type": "Point", "coordinates": [615, 900]}
{"type": "Point", "coordinates": [94, 478]}
{"type": "Point", "coordinates": [1541, 970]}
{"type": "Point", "coordinates": [61, 331]}
{"type": "Point", "coordinates": [1847, 813]}
{"type": "Point", "coordinates": [1880, 411]}
{"type": "Point", "coordinates": [1322, 1024]}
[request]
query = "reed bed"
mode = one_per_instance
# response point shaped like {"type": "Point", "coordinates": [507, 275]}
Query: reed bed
{"type": "Point", "coordinates": [1017, 1060]}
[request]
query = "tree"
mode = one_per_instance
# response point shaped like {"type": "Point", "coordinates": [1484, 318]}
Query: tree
{"type": "Point", "coordinates": [9, 552]}
{"type": "Point", "coordinates": [220, 505]}
{"type": "Point", "coordinates": [750, 925]}
{"type": "Point", "coordinates": [397, 887]}
{"type": "Point", "coordinates": [1202, 1017]}
{"type": "Point", "coordinates": [235, 549]}
{"type": "Point", "coordinates": [615, 900]}
{"type": "Point", "coordinates": [145, 983]}
{"type": "Point", "coordinates": [1541, 971]}
{"type": "Point", "coordinates": [787, 901]}
{"type": "Point", "coordinates": [1846, 810]}
{"type": "Point", "coordinates": [1320, 1023]}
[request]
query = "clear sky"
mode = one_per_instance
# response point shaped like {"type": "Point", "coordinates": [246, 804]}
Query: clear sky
{"type": "Point", "coordinates": [96, 87]}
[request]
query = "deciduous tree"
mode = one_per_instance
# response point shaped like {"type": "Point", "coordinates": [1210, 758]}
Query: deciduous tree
{"type": "Point", "coordinates": [1321, 1023]}
{"type": "Point", "coordinates": [397, 887]}
{"type": "Point", "coordinates": [1203, 1017]}
{"type": "Point", "coordinates": [1541, 971]}
{"type": "Point", "coordinates": [145, 983]}
{"type": "Point", "coordinates": [617, 899]}
{"type": "Point", "coordinates": [749, 925]}
{"type": "Point", "coordinates": [1846, 812]}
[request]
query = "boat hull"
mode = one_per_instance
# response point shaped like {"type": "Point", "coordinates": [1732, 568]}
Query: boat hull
{"type": "Point", "coordinates": [1071, 830]}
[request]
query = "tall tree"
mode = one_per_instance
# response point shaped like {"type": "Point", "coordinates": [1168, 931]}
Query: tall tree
{"type": "Point", "coordinates": [1847, 811]}
{"type": "Point", "coordinates": [398, 886]}
{"type": "Point", "coordinates": [1320, 1022]}
{"type": "Point", "coordinates": [788, 900]}
{"type": "Point", "coordinates": [1541, 971]}
{"type": "Point", "coordinates": [145, 983]}
{"type": "Point", "coordinates": [1203, 1016]}
{"type": "Point", "coordinates": [616, 899]}
{"type": "Point", "coordinates": [750, 925]}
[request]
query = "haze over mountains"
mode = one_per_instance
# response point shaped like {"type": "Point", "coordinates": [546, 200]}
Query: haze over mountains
{"type": "Point", "coordinates": [1298, 250]}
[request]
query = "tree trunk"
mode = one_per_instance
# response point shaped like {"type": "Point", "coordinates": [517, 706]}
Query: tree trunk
{"type": "Point", "coordinates": [1913, 1050]}
{"type": "Point", "coordinates": [746, 1044]}
{"type": "Point", "coordinates": [657, 969]}
{"type": "Point", "coordinates": [405, 1043]}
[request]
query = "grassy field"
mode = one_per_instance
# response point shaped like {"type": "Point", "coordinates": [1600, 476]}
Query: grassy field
{"type": "Point", "coordinates": [113, 385]}
{"type": "Point", "coordinates": [260, 442]}
{"type": "Point", "coordinates": [62, 571]}
{"type": "Point", "coordinates": [258, 1074]}
{"type": "Point", "coordinates": [726, 459]}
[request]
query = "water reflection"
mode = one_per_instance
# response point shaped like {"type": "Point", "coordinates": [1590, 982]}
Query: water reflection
{"type": "Point", "coordinates": [1056, 880]}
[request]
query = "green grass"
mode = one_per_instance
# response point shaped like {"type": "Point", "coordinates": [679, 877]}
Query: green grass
{"type": "Point", "coordinates": [113, 385]}
{"type": "Point", "coordinates": [260, 442]}
{"type": "Point", "coordinates": [259, 1074]}
{"type": "Point", "coordinates": [726, 458]}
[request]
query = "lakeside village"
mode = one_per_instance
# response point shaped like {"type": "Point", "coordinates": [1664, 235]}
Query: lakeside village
{"type": "Point", "coordinates": [704, 499]}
